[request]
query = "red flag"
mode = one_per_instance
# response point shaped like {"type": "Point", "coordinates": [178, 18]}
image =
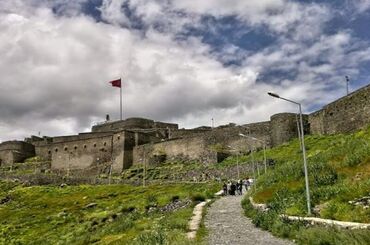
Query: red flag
{"type": "Point", "coordinates": [116, 83]}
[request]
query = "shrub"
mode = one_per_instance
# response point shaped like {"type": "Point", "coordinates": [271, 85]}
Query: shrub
{"type": "Point", "coordinates": [322, 174]}
{"type": "Point", "coordinates": [197, 197]}
{"type": "Point", "coordinates": [175, 198]}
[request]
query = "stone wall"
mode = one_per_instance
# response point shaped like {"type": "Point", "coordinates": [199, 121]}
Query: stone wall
{"type": "Point", "coordinates": [15, 151]}
{"type": "Point", "coordinates": [44, 147]}
{"type": "Point", "coordinates": [206, 147]}
{"type": "Point", "coordinates": [344, 115]}
{"type": "Point", "coordinates": [284, 127]}
{"type": "Point", "coordinates": [92, 150]}
{"type": "Point", "coordinates": [80, 154]}
{"type": "Point", "coordinates": [132, 124]}
{"type": "Point", "coordinates": [186, 149]}
{"type": "Point", "coordinates": [182, 133]}
{"type": "Point", "coordinates": [260, 130]}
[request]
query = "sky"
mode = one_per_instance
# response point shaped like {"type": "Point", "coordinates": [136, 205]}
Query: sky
{"type": "Point", "coordinates": [180, 61]}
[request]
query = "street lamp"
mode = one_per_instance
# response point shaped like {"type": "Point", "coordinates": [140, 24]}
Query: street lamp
{"type": "Point", "coordinates": [303, 149]}
{"type": "Point", "coordinates": [264, 148]}
{"type": "Point", "coordinates": [237, 160]}
{"type": "Point", "coordinates": [347, 83]}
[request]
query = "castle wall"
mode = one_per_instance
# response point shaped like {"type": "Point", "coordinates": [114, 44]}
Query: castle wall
{"type": "Point", "coordinates": [131, 124]}
{"type": "Point", "coordinates": [260, 130]}
{"type": "Point", "coordinates": [284, 127]}
{"type": "Point", "coordinates": [187, 149]}
{"type": "Point", "coordinates": [15, 151]}
{"type": "Point", "coordinates": [345, 115]}
{"type": "Point", "coordinates": [92, 150]}
{"type": "Point", "coordinates": [316, 122]}
{"type": "Point", "coordinates": [207, 147]}
{"type": "Point", "coordinates": [182, 133]}
{"type": "Point", "coordinates": [80, 154]}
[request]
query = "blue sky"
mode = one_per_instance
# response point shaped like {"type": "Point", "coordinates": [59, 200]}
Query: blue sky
{"type": "Point", "coordinates": [181, 61]}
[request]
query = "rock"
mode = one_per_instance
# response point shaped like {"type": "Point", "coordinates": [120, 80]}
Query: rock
{"type": "Point", "coordinates": [91, 205]}
{"type": "Point", "coordinates": [175, 205]}
{"type": "Point", "coordinates": [317, 209]}
{"type": "Point", "coordinates": [62, 214]}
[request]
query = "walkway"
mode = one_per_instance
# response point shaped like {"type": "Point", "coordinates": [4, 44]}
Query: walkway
{"type": "Point", "coordinates": [227, 224]}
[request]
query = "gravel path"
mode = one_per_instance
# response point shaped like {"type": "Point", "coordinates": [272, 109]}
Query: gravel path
{"type": "Point", "coordinates": [227, 224]}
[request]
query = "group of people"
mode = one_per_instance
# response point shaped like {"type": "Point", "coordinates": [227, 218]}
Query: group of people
{"type": "Point", "coordinates": [236, 187]}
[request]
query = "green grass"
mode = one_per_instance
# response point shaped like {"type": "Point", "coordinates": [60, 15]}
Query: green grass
{"type": "Point", "coordinates": [54, 215]}
{"type": "Point", "coordinates": [339, 172]}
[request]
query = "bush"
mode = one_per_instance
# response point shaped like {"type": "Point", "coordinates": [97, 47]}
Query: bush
{"type": "Point", "coordinates": [197, 197]}
{"type": "Point", "coordinates": [322, 174]}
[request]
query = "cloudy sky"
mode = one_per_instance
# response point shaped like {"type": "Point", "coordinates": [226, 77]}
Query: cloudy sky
{"type": "Point", "coordinates": [183, 61]}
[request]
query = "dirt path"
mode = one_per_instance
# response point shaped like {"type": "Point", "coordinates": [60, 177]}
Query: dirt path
{"type": "Point", "coordinates": [227, 224]}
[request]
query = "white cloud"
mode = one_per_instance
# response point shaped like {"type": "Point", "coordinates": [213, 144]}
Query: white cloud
{"type": "Point", "coordinates": [112, 12]}
{"type": "Point", "coordinates": [361, 5]}
{"type": "Point", "coordinates": [55, 67]}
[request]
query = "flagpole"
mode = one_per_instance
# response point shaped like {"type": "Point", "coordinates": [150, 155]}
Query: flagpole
{"type": "Point", "coordinates": [120, 90]}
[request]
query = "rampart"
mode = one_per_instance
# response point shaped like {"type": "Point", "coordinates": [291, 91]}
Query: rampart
{"type": "Point", "coordinates": [206, 147]}
{"type": "Point", "coordinates": [347, 114]}
{"type": "Point", "coordinates": [284, 127]}
{"type": "Point", "coordinates": [132, 124]}
{"type": "Point", "coordinates": [91, 150]}
{"type": "Point", "coordinates": [15, 151]}
{"type": "Point", "coordinates": [136, 140]}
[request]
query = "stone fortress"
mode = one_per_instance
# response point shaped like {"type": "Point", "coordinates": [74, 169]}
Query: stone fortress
{"type": "Point", "coordinates": [117, 145]}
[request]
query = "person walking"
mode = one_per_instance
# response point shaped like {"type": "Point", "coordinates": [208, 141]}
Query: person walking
{"type": "Point", "coordinates": [224, 188]}
{"type": "Point", "coordinates": [232, 189]}
{"type": "Point", "coordinates": [240, 187]}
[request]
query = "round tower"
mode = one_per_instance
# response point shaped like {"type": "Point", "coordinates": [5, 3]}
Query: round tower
{"type": "Point", "coordinates": [283, 128]}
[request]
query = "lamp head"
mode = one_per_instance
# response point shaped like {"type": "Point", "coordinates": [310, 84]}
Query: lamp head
{"type": "Point", "coordinates": [273, 95]}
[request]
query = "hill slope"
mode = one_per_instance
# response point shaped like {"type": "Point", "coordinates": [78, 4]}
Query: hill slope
{"type": "Point", "coordinates": [339, 171]}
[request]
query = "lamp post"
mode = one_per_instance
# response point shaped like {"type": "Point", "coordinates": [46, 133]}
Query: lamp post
{"type": "Point", "coordinates": [303, 149]}
{"type": "Point", "coordinates": [347, 83]}
{"type": "Point", "coordinates": [237, 160]}
{"type": "Point", "coordinates": [264, 148]}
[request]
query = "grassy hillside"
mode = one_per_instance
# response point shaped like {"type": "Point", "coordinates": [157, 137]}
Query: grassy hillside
{"type": "Point", "coordinates": [114, 214]}
{"type": "Point", "coordinates": [339, 177]}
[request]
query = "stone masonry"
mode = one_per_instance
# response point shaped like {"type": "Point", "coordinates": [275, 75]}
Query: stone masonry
{"type": "Point", "coordinates": [120, 144]}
